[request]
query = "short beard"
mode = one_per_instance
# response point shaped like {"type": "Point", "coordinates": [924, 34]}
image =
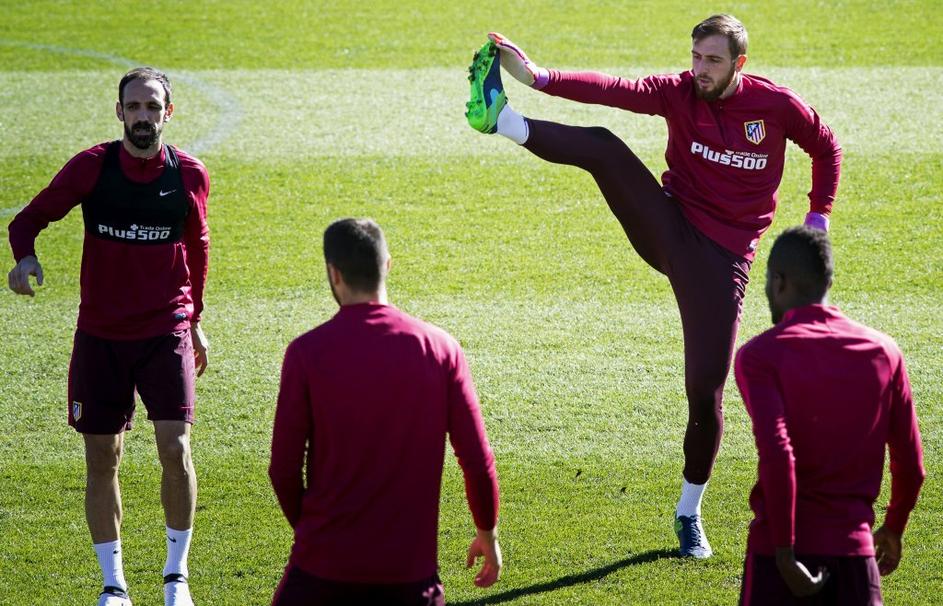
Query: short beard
{"type": "Point", "coordinates": [143, 140]}
{"type": "Point", "coordinates": [715, 93]}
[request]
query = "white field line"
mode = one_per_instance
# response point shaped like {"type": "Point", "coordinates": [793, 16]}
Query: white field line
{"type": "Point", "coordinates": [298, 114]}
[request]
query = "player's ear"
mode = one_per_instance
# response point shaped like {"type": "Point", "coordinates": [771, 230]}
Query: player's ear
{"type": "Point", "coordinates": [169, 112]}
{"type": "Point", "coordinates": [333, 274]}
{"type": "Point", "coordinates": [741, 61]}
{"type": "Point", "coordinates": [119, 111]}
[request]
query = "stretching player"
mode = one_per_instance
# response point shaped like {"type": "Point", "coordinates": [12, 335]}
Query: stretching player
{"type": "Point", "coordinates": [144, 264]}
{"type": "Point", "coordinates": [825, 395]}
{"type": "Point", "coordinates": [366, 402]}
{"type": "Point", "coordinates": [700, 227]}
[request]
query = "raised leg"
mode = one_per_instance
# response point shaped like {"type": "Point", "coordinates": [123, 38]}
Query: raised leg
{"type": "Point", "coordinates": [648, 217]}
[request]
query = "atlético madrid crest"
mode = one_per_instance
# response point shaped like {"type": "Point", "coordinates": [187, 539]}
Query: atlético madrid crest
{"type": "Point", "coordinates": [76, 410]}
{"type": "Point", "coordinates": [755, 131]}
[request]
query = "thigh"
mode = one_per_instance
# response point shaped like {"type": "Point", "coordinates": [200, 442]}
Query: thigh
{"type": "Point", "coordinates": [101, 386]}
{"type": "Point", "coordinates": [649, 218]}
{"type": "Point", "coordinates": [165, 378]}
{"type": "Point", "coordinates": [709, 283]}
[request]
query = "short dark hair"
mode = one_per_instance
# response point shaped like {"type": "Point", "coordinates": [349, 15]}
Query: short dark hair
{"type": "Point", "coordinates": [804, 255]}
{"type": "Point", "coordinates": [723, 25]}
{"type": "Point", "coordinates": [145, 73]}
{"type": "Point", "coordinates": [357, 248]}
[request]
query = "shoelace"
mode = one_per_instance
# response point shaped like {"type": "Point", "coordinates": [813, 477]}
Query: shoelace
{"type": "Point", "coordinates": [694, 532]}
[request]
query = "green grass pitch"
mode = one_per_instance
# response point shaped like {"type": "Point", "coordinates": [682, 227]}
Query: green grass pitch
{"type": "Point", "coordinates": [308, 111]}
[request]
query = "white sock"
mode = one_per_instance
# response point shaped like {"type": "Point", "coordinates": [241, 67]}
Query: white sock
{"type": "Point", "coordinates": [512, 125]}
{"type": "Point", "coordinates": [690, 502]}
{"type": "Point", "coordinates": [109, 559]}
{"type": "Point", "coordinates": [178, 547]}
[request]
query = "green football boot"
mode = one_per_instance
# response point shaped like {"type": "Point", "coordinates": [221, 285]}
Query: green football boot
{"type": "Point", "coordinates": [487, 93]}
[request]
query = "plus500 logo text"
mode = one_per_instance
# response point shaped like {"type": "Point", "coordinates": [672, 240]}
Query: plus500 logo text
{"type": "Point", "coordinates": [728, 159]}
{"type": "Point", "coordinates": [135, 233]}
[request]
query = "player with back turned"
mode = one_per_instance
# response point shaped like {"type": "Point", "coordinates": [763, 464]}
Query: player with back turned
{"type": "Point", "coordinates": [825, 395]}
{"type": "Point", "coordinates": [700, 226]}
{"type": "Point", "coordinates": [144, 263]}
{"type": "Point", "coordinates": [366, 402]}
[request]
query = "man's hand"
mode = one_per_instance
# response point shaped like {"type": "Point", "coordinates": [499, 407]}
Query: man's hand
{"type": "Point", "coordinates": [887, 550]}
{"type": "Point", "coordinates": [516, 63]}
{"type": "Point", "coordinates": [485, 544]}
{"type": "Point", "coordinates": [200, 346]}
{"type": "Point", "coordinates": [816, 221]}
{"type": "Point", "coordinates": [797, 577]}
{"type": "Point", "coordinates": [18, 278]}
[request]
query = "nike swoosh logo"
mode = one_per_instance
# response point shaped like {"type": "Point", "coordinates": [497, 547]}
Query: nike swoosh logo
{"type": "Point", "coordinates": [166, 193]}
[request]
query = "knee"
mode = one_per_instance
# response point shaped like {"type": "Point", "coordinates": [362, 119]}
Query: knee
{"type": "Point", "coordinates": [706, 396]}
{"type": "Point", "coordinates": [102, 458]}
{"type": "Point", "coordinates": [609, 150]}
{"type": "Point", "coordinates": [174, 453]}
{"type": "Point", "coordinates": [604, 136]}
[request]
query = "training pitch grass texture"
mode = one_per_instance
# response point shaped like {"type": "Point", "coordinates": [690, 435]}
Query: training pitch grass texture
{"type": "Point", "coordinates": [305, 112]}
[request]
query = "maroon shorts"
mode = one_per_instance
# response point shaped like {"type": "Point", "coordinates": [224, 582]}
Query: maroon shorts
{"type": "Point", "coordinates": [298, 588]}
{"type": "Point", "coordinates": [105, 374]}
{"type": "Point", "coordinates": [852, 581]}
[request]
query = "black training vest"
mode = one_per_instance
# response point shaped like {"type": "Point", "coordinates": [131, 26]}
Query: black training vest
{"type": "Point", "coordinates": [121, 210]}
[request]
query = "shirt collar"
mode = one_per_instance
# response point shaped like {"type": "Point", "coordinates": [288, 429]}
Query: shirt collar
{"type": "Point", "coordinates": [810, 313]}
{"type": "Point", "coordinates": [362, 308]}
{"type": "Point", "coordinates": [133, 164]}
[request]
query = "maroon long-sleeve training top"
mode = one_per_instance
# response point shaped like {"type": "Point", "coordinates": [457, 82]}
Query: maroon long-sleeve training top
{"type": "Point", "coordinates": [826, 395]}
{"type": "Point", "coordinates": [725, 157]}
{"type": "Point", "coordinates": [358, 444]}
{"type": "Point", "coordinates": [130, 289]}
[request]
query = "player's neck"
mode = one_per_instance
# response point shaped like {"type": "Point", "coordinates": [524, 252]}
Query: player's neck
{"type": "Point", "coordinates": [358, 298]}
{"type": "Point", "coordinates": [137, 152]}
{"type": "Point", "coordinates": [732, 87]}
{"type": "Point", "coordinates": [798, 302]}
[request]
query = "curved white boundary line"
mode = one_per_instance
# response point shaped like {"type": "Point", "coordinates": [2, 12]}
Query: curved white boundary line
{"type": "Point", "coordinates": [227, 121]}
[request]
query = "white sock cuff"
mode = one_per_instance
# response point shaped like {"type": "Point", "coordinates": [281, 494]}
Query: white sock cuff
{"type": "Point", "coordinates": [107, 546]}
{"type": "Point", "coordinates": [513, 125]}
{"type": "Point", "coordinates": [179, 534]}
{"type": "Point", "coordinates": [690, 502]}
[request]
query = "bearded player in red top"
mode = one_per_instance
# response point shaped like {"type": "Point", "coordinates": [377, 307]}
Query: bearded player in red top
{"type": "Point", "coordinates": [700, 226]}
{"type": "Point", "coordinates": [144, 262]}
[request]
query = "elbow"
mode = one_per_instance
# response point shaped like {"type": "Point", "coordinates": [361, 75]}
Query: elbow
{"type": "Point", "coordinates": [913, 473]}
{"type": "Point", "coordinates": [920, 476]}
{"type": "Point", "coordinates": [836, 153]}
{"type": "Point", "coordinates": [832, 155]}
{"type": "Point", "coordinates": [478, 466]}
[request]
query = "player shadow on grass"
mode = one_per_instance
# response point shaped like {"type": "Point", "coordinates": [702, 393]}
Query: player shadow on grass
{"type": "Point", "coordinates": [571, 579]}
